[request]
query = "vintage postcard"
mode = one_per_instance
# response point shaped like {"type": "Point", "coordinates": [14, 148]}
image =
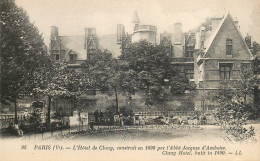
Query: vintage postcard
{"type": "Point", "coordinates": [130, 80]}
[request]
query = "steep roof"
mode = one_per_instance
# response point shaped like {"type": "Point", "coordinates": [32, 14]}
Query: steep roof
{"type": "Point", "coordinates": [210, 39]}
{"type": "Point", "coordinates": [109, 42]}
{"type": "Point", "coordinates": [75, 43]}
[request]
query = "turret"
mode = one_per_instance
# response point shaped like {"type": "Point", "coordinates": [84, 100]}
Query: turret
{"type": "Point", "coordinates": [135, 22]}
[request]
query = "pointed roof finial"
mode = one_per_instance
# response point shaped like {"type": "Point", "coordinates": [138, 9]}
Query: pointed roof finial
{"type": "Point", "coordinates": [135, 18]}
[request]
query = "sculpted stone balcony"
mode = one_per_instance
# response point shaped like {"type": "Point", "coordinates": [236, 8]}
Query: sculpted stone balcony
{"type": "Point", "coordinates": [139, 28]}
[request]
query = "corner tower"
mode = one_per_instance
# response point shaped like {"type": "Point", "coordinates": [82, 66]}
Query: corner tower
{"type": "Point", "coordinates": [135, 22]}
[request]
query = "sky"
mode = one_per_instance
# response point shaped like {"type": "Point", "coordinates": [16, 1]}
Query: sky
{"type": "Point", "coordinates": [72, 16]}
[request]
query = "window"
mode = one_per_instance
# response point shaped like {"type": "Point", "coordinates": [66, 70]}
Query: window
{"type": "Point", "coordinates": [229, 47]}
{"type": "Point", "coordinates": [189, 54]}
{"type": "Point", "coordinates": [57, 56]}
{"type": "Point", "coordinates": [71, 57]}
{"type": "Point", "coordinates": [189, 49]}
{"type": "Point", "coordinates": [225, 70]}
{"type": "Point", "coordinates": [189, 74]}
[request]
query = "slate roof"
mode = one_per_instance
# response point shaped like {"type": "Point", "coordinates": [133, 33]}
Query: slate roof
{"type": "Point", "coordinates": [74, 43]}
{"type": "Point", "coordinates": [109, 42]}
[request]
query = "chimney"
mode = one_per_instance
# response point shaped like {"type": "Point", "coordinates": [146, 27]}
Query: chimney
{"type": "Point", "coordinates": [120, 33]}
{"type": "Point", "coordinates": [54, 33]}
{"type": "Point", "coordinates": [177, 39]}
{"type": "Point", "coordinates": [90, 32]}
{"type": "Point", "coordinates": [236, 22]}
{"type": "Point", "coordinates": [248, 41]}
{"type": "Point", "coordinates": [215, 22]}
{"type": "Point", "coordinates": [202, 37]}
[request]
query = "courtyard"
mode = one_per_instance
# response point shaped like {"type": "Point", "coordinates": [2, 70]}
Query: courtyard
{"type": "Point", "coordinates": [184, 133]}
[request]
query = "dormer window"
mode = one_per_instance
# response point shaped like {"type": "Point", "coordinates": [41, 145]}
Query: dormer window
{"type": "Point", "coordinates": [229, 47]}
{"type": "Point", "coordinates": [71, 57]}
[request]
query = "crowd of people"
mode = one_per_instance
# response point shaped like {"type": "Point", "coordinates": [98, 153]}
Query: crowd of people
{"type": "Point", "coordinates": [18, 127]}
{"type": "Point", "coordinates": [14, 128]}
{"type": "Point", "coordinates": [102, 118]}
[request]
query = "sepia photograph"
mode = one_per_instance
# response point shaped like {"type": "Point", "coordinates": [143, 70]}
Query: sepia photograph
{"type": "Point", "coordinates": [129, 80]}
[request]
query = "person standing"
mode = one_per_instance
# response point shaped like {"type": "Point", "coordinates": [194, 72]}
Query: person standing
{"type": "Point", "coordinates": [19, 131]}
{"type": "Point", "coordinates": [25, 114]}
{"type": "Point", "coordinates": [91, 125]}
{"type": "Point", "coordinates": [121, 121]}
{"type": "Point", "coordinates": [101, 115]}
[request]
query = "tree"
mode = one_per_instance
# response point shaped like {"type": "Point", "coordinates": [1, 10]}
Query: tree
{"type": "Point", "coordinates": [235, 93]}
{"type": "Point", "coordinates": [21, 52]}
{"type": "Point", "coordinates": [256, 70]}
{"type": "Point", "coordinates": [147, 61]}
{"type": "Point", "coordinates": [108, 75]}
{"type": "Point", "coordinates": [142, 67]}
{"type": "Point", "coordinates": [234, 108]}
{"type": "Point", "coordinates": [110, 112]}
{"type": "Point", "coordinates": [96, 70]}
{"type": "Point", "coordinates": [121, 80]}
{"type": "Point", "coordinates": [58, 81]}
{"type": "Point", "coordinates": [223, 96]}
{"type": "Point", "coordinates": [153, 71]}
{"type": "Point", "coordinates": [255, 48]}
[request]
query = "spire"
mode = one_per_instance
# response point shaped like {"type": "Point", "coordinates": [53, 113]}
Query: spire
{"type": "Point", "coordinates": [135, 18]}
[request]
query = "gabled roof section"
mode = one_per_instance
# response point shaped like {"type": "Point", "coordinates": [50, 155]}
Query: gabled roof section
{"type": "Point", "coordinates": [109, 42]}
{"type": "Point", "coordinates": [72, 52]}
{"type": "Point", "coordinates": [74, 43]}
{"type": "Point", "coordinates": [210, 40]}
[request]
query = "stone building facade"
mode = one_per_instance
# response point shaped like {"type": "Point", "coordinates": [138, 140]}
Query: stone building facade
{"type": "Point", "coordinates": [222, 53]}
{"type": "Point", "coordinates": [208, 55]}
{"type": "Point", "coordinates": [219, 55]}
{"type": "Point", "coordinates": [73, 48]}
{"type": "Point", "coordinates": [205, 56]}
